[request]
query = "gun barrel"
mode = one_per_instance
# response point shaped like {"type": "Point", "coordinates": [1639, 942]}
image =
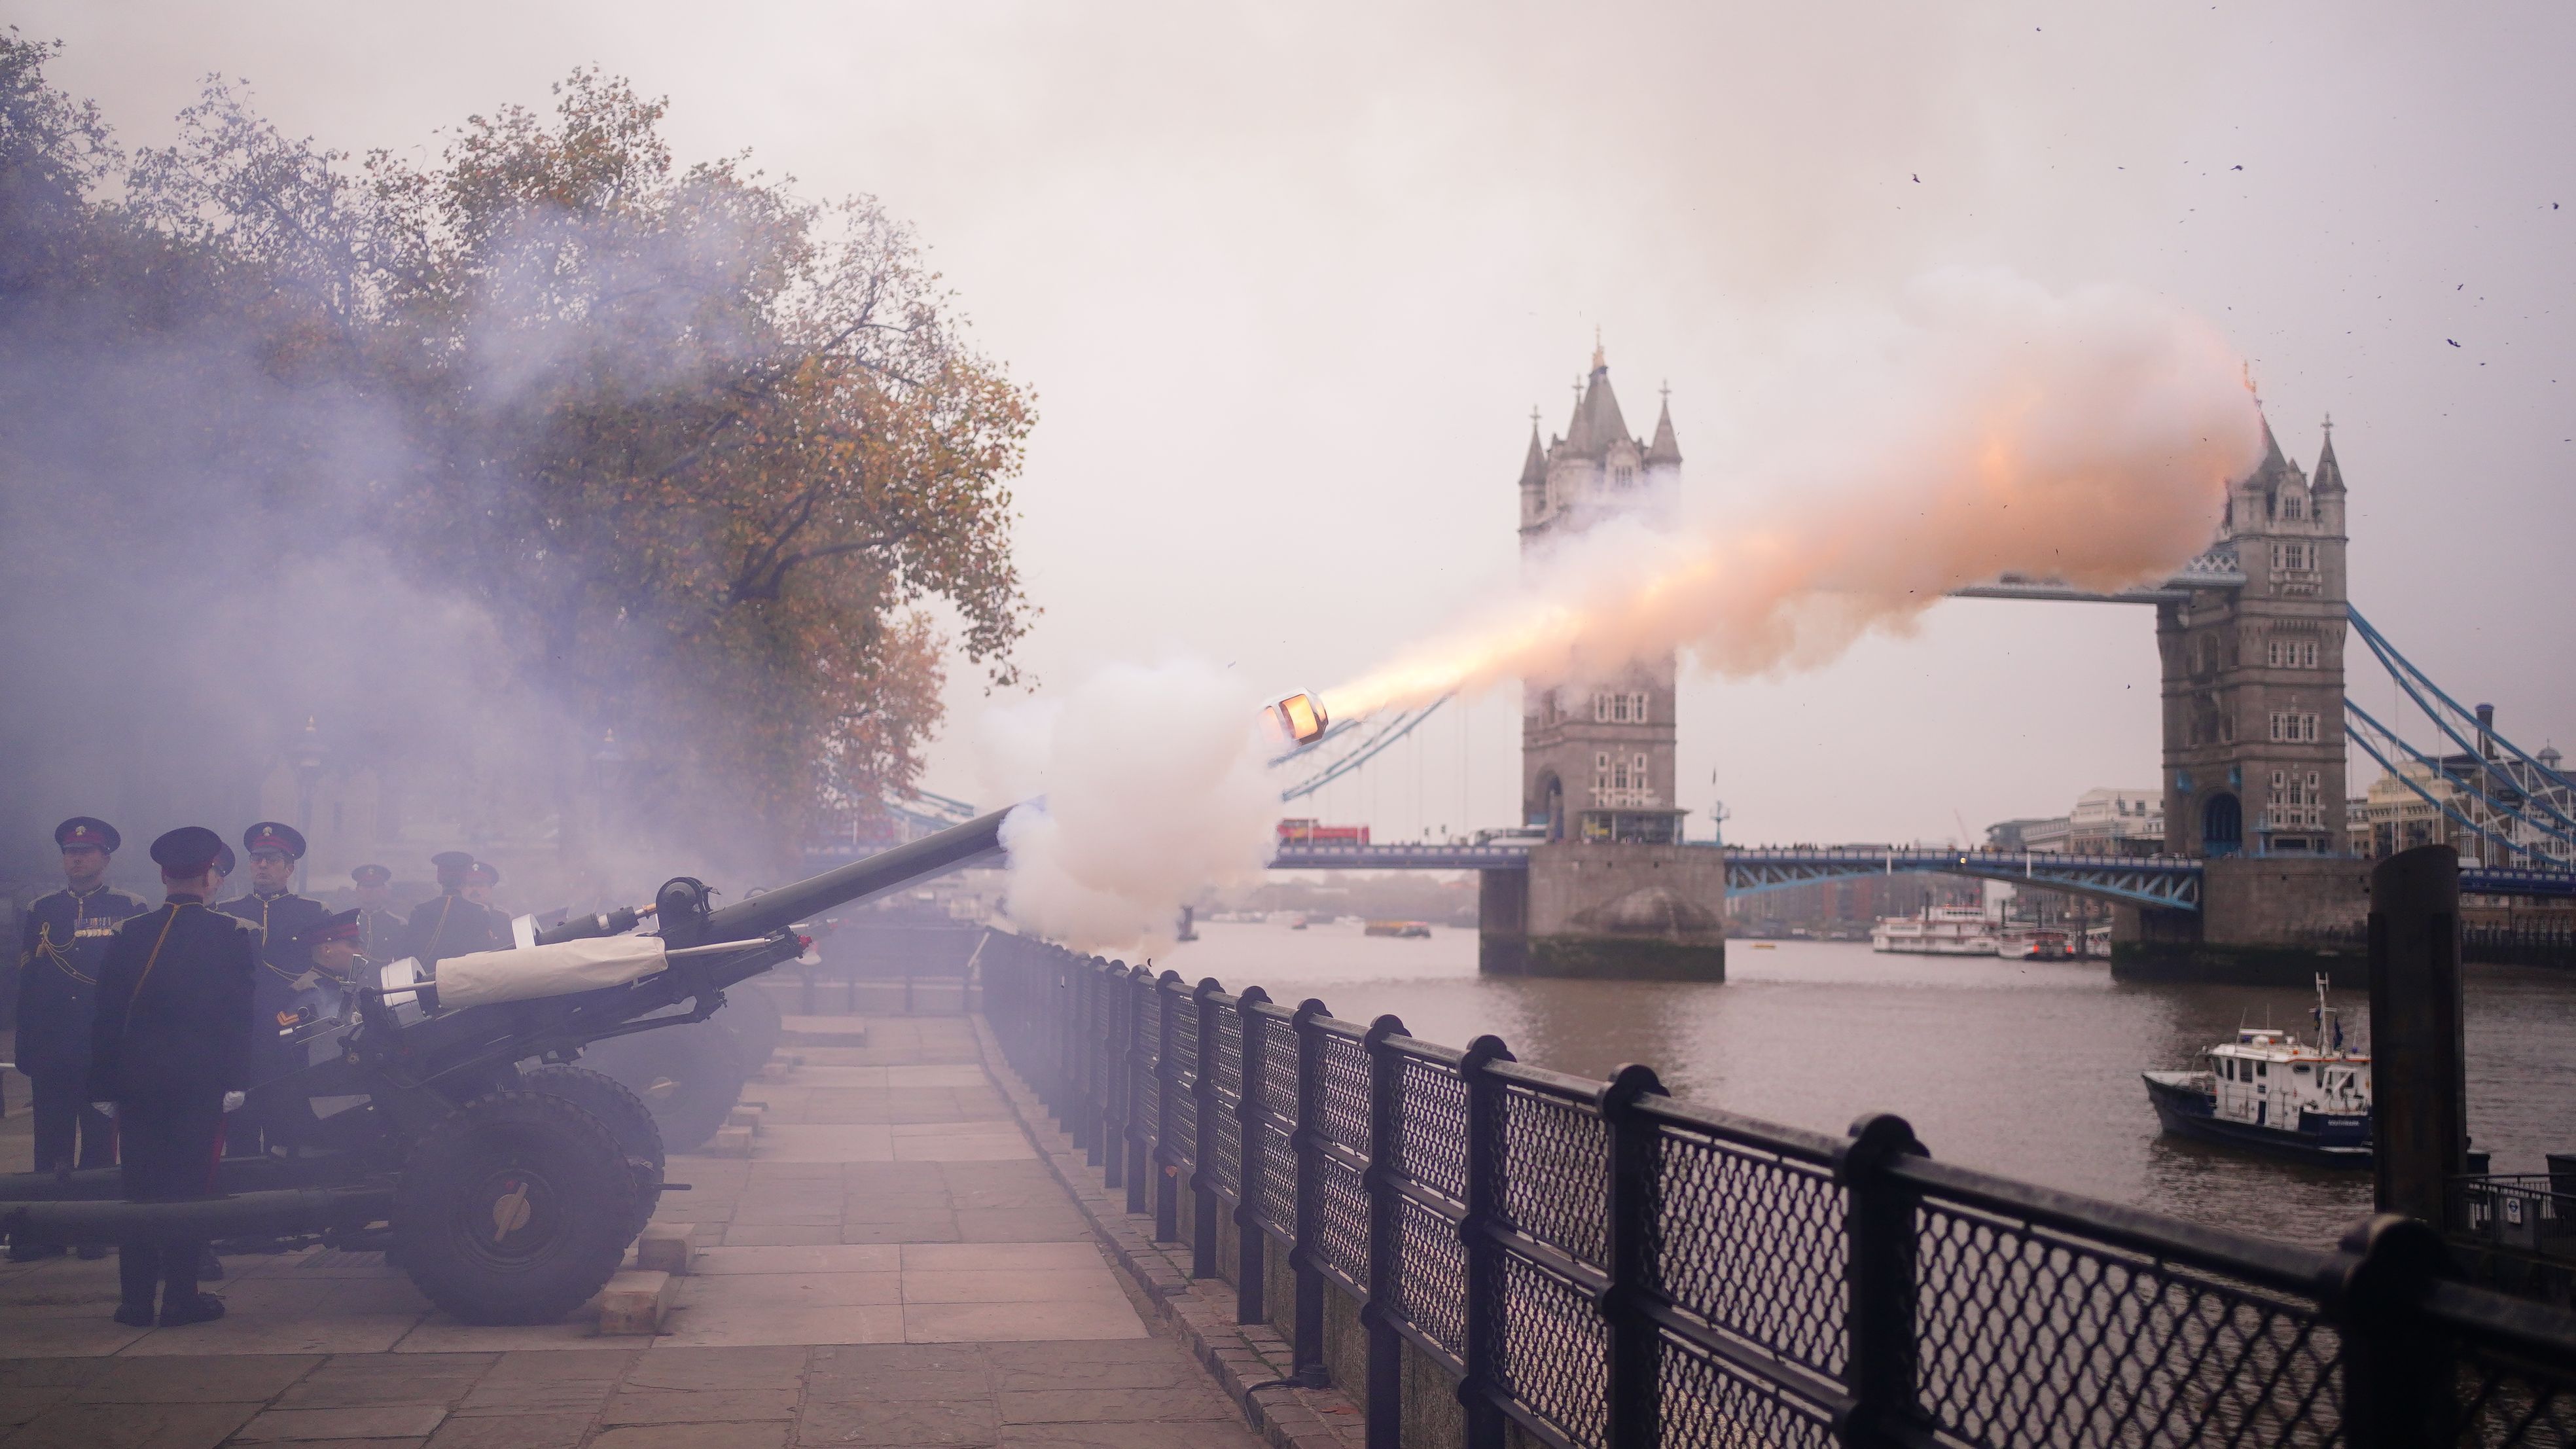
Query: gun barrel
{"type": "Point", "coordinates": [860, 881]}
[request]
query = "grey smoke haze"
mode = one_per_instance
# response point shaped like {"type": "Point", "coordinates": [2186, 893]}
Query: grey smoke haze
{"type": "Point", "coordinates": [1289, 283]}
{"type": "Point", "coordinates": [207, 559]}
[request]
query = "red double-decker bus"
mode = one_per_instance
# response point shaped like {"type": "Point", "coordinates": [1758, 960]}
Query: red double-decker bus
{"type": "Point", "coordinates": [1309, 832]}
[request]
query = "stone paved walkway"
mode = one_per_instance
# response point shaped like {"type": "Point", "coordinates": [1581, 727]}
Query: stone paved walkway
{"type": "Point", "coordinates": [894, 1265]}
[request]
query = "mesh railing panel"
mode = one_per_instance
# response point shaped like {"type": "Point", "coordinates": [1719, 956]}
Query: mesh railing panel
{"type": "Point", "coordinates": [1341, 1216]}
{"type": "Point", "coordinates": [1225, 1157]}
{"type": "Point", "coordinates": [1706, 1402]}
{"type": "Point", "coordinates": [2027, 1337]}
{"type": "Point", "coordinates": [1229, 1056]}
{"type": "Point", "coordinates": [1147, 1097]}
{"type": "Point", "coordinates": [1551, 1349]}
{"type": "Point", "coordinates": [1278, 1205]}
{"type": "Point", "coordinates": [1342, 1089]}
{"type": "Point", "coordinates": [2508, 1402]}
{"type": "Point", "coordinates": [1556, 1173]}
{"type": "Point", "coordinates": [1753, 1244]}
{"type": "Point", "coordinates": [1184, 1136]}
{"type": "Point", "coordinates": [1278, 1067]}
{"type": "Point", "coordinates": [1431, 1275]}
{"type": "Point", "coordinates": [1185, 1035]}
{"type": "Point", "coordinates": [1431, 1127]}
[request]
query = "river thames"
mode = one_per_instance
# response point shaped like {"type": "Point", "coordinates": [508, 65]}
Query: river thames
{"type": "Point", "coordinates": [2024, 1068]}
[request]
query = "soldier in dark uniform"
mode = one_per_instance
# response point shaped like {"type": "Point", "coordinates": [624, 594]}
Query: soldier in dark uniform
{"type": "Point", "coordinates": [280, 915]}
{"type": "Point", "coordinates": [65, 935]}
{"type": "Point", "coordinates": [480, 877]}
{"type": "Point", "coordinates": [335, 969]}
{"type": "Point", "coordinates": [450, 925]}
{"type": "Point", "coordinates": [380, 928]}
{"type": "Point", "coordinates": [170, 1051]}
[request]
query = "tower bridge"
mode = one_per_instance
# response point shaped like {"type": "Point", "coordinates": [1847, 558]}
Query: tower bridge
{"type": "Point", "coordinates": [2253, 880]}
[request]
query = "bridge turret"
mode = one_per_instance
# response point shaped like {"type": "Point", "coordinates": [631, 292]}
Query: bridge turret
{"type": "Point", "coordinates": [1597, 759]}
{"type": "Point", "coordinates": [2253, 674]}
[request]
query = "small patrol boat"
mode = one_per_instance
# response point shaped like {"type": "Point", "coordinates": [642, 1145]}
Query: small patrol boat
{"type": "Point", "coordinates": [2267, 1092]}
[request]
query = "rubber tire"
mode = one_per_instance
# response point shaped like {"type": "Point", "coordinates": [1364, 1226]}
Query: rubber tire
{"type": "Point", "coordinates": [623, 1114]}
{"type": "Point", "coordinates": [690, 1077]}
{"type": "Point", "coordinates": [511, 1142]}
{"type": "Point", "coordinates": [753, 1015]}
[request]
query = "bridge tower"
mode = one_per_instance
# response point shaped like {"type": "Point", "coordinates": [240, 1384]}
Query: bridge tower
{"type": "Point", "coordinates": [1610, 890]}
{"type": "Point", "coordinates": [1597, 759]}
{"type": "Point", "coordinates": [2253, 674]}
{"type": "Point", "coordinates": [2253, 734]}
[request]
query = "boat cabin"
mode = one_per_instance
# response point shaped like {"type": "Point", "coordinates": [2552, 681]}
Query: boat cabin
{"type": "Point", "coordinates": [2268, 1079]}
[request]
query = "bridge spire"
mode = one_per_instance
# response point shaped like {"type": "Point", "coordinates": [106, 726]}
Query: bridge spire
{"type": "Point", "coordinates": [1665, 448]}
{"type": "Point", "coordinates": [2329, 474]}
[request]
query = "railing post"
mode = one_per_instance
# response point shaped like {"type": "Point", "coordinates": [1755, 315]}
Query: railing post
{"type": "Point", "coordinates": [1385, 1426]}
{"type": "Point", "coordinates": [1251, 1302]}
{"type": "Point", "coordinates": [2397, 1363]}
{"type": "Point", "coordinates": [1068, 1034]}
{"type": "Point", "coordinates": [1139, 1166]}
{"type": "Point", "coordinates": [1087, 1077]}
{"type": "Point", "coordinates": [1167, 1186]}
{"type": "Point", "coordinates": [1636, 1345]}
{"type": "Point", "coordinates": [1879, 1214]}
{"type": "Point", "coordinates": [1113, 1065]}
{"type": "Point", "coordinates": [1486, 1167]}
{"type": "Point", "coordinates": [1203, 1126]}
{"type": "Point", "coordinates": [1306, 1340]}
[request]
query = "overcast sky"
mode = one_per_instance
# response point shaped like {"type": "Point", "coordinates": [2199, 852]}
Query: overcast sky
{"type": "Point", "coordinates": [1288, 280]}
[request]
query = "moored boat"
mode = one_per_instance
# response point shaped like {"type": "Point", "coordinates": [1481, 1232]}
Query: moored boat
{"type": "Point", "coordinates": [1938, 931]}
{"type": "Point", "coordinates": [2024, 944]}
{"type": "Point", "coordinates": [1409, 929]}
{"type": "Point", "coordinates": [2268, 1092]}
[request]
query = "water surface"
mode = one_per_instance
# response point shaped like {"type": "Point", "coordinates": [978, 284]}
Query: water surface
{"type": "Point", "coordinates": [2024, 1068]}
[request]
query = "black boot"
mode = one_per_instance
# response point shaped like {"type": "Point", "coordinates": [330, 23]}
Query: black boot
{"type": "Point", "coordinates": [180, 1311]}
{"type": "Point", "coordinates": [134, 1315]}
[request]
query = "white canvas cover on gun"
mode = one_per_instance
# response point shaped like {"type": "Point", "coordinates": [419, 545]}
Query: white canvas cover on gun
{"type": "Point", "coordinates": [480, 977]}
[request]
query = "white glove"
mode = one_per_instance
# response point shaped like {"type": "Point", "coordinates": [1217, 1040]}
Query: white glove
{"type": "Point", "coordinates": [233, 1100]}
{"type": "Point", "coordinates": [104, 1109]}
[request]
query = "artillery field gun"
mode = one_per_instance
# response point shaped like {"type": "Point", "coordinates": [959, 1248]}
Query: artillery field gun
{"type": "Point", "coordinates": [452, 1122]}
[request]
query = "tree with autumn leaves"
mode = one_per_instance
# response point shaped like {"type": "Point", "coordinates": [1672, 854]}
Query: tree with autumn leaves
{"type": "Point", "coordinates": [712, 456]}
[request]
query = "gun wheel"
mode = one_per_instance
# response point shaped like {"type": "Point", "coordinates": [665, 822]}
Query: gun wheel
{"type": "Point", "coordinates": [623, 1114]}
{"type": "Point", "coordinates": [514, 1210]}
{"type": "Point", "coordinates": [690, 1077]}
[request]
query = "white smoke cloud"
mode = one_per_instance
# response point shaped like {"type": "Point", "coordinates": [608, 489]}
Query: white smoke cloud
{"type": "Point", "coordinates": [1153, 787]}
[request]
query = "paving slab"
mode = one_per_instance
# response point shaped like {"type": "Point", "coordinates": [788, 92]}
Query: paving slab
{"type": "Point", "coordinates": [377, 1421]}
{"type": "Point", "coordinates": [132, 1426]}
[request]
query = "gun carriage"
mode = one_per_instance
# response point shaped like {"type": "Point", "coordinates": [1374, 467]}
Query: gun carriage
{"type": "Point", "coordinates": [471, 1142]}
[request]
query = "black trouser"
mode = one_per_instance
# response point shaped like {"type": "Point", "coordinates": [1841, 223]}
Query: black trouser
{"type": "Point", "coordinates": [63, 1116]}
{"type": "Point", "coordinates": [170, 1146]}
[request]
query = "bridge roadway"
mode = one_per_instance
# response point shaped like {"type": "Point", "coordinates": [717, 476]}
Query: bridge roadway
{"type": "Point", "coordinates": [2171, 882]}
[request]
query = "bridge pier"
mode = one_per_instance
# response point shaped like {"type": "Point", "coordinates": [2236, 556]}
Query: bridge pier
{"type": "Point", "coordinates": [2263, 920]}
{"type": "Point", "coordinates": [1613, 912]}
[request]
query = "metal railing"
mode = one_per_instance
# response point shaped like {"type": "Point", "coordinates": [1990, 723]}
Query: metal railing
{"type": "Point", "coordinates": [2531, 1211]}
{"type": "Point", "coordinates": [1598, 1264]}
